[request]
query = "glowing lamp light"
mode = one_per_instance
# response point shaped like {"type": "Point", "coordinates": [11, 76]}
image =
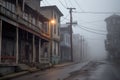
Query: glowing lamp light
{"type": "Point", "coordinates": [52, 21]}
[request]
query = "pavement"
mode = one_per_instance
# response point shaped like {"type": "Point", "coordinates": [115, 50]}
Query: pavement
{"type": "Point", "coordinates": [116, 70]}
{"type": "Point", "coordinates": [63, 64]}
{"type": "Point", "coordinates": [59, 73]}
{"type": "Point", "coordinates": [32, 70]}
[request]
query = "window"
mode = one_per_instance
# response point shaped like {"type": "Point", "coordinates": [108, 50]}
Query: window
{"type": "Point", "coordinates": [9, 6]}
{"type": "Point", "coordinates": [13, 8]}
{"type": "Point", "coordinates": [61, 37]}
{"type": "Point", "coordinates": [45, 27]}
{"type": "Point", "coordinates": [39, 24]}
{"type": "Point", "coordinates": [118, 21]}
{"type": "Point", "coordinates": [55, 29]}
{"type": "Point", "coordinates": [25, 16]}
{"type": "Point", "coordinates": [33, 20]}
{"type": "Point", "coordinates": [4, 3]}
{"type": "Point", "coordinates": [113, 21]}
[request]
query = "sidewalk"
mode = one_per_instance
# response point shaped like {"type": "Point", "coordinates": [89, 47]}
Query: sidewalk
{"type": "Point", "coordinates": [13, 75]}
{"type": "Point", "coordinates": [63, 64]}
{"type": "Point", "coordinates": [116, 70]}
{"type": "Point", "coordinates": [32, 70]}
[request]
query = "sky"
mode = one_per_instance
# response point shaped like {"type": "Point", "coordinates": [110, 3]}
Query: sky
{"type": "Point", "coordinates": [95, 37]}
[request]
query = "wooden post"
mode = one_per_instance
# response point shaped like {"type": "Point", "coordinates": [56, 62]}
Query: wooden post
{"type": "Point", "coordinates": [71, 22]}
{"type": "Point", "coordinates": [0, 38]}
{"type": "Point", "coordinates": [49, 51]}
{"type": "Point", "coordinates": [39, 50]}
{"type": "Point", "coordinates": [34, 48]}
{"type": "Point", "coordinates": [17, 48]}
{"type": "Point", "coordinates": [17, 7]}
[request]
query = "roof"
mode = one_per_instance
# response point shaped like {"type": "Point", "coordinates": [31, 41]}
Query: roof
{"type": "Point", "coordinates": [52, 7]}
{"type": "Point", "coordinates": [112, 16]}
{"type": "Point", "coordinates": [64, 25]}
{"type": "Point", "coordinates": [43, 18]}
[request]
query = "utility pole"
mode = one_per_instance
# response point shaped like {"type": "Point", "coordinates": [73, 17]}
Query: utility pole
{"type": "Point", "coordinates": [71, 22]}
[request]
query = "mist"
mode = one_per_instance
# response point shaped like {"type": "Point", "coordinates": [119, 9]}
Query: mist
{"type": "Point", "coordinates": [95, 42]}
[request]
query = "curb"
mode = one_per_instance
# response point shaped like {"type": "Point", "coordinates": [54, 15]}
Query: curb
{"type": "Point", "coordinates": [14, 75]}
{"type": "Point", "coordinates": [7, 77]}
{"type": "Point", "coordinates": [58, 66]}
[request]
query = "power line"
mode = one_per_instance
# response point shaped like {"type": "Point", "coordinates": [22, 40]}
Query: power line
{"type": "Point", "coordinates": [92, 21]}
{"type": "Point", "coordinates": [66, 3]}
{"type": "Point", "coordinates": [47, 2]}
{"type": "Point", "coordinates": [97, 12]}
{"type": "Point", "coordinates": [91, 31]}
{"type": "Point", "coordinates": [78, 5]}
{"type": "Point", "coordinates": [71, 3]}
{"type": "Point", "coordinates": [44, 2]}
{"type": "Point", "coordinates": [93, 38]}
{"type": "Point", "coordinates": [62, 4]}
{"type": "Point", "coordinates": [65, 18]}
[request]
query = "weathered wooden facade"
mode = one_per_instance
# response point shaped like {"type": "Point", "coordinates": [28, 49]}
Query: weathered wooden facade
{"type": "Point", "coordinates": [53, 13]}
{"type": "Point", "coordinates": [24, 33]}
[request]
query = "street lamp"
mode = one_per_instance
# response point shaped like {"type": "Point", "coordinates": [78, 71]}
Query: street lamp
{"type": "Point", "coordinates": [53, 21]}
{"type": "Point", "coordinates": [52, 24]}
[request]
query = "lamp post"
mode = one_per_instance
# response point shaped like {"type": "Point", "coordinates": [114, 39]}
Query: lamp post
{"type": "Point", "coordinates": [52, 23]}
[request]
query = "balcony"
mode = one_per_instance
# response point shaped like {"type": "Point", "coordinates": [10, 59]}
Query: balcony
{"type": "Point", "coordinates": [9, 14]}
{"type": "Point", "coordinates": [44, 60]}
{"type": "Point", "coordinates": [64, 44]}
{"type": "Point", "coordinates": [56, 37]}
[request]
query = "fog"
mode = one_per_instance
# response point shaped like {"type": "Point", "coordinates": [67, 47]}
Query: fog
{"type": "Point", "coordinates": [94, 38]}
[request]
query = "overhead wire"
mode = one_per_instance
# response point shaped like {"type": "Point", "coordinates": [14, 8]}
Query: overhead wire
{"type": "Point", "coordinates": [93, 38]}
{"type": "Point", "coordinates": [66, 3]}
{"type": "Point", "coordinates": [90, 31]}
{"type": "Point", "coordinates": [70, 3]}
{"type": "Point", "coordinates": [93, 29]}
{"type": "Point", "coordinates": [44, 2]}
{"type": "Point", "coordinates": [62, 4]}
{"type": "Point", "coordinates": [91, 12]}
{"type": "Point", "coordinates": [47, 2]}
{"type": "Point", "coordinates": [78, 5]}
{"type": "Point", "coordinates": [92, 21]}
{"type": "Point", "coordinates": [65, 18]}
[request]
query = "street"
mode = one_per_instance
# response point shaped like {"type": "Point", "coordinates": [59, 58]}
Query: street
{"type": "Point", "coordinates": [94, 71]}
{"type": "Point", "coordinates": [98, 70]}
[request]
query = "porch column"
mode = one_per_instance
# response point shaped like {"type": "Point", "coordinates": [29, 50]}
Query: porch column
{"type": "Point", "coordinates": [0, 38]}
{"type": "Point", "coordinates": [17, 48]}
{"type": "Point", "coordinates": [34, 48]}
{"type": "Point", "coordinates": [0, 2]}
{"type": "Point", "coordinates": [39, 50]}
{"type": "Point", "coordinates": [49, 55]}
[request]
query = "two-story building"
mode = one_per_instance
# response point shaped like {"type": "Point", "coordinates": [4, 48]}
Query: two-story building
{"type": "Point", "coordinates": [53, 14]}
{"type": "Point", "coordinates": [65, 45]}
{"type": "Point", "coordinates": [77, 48]}
{"type": "Point", "coordinates": [24, 33]}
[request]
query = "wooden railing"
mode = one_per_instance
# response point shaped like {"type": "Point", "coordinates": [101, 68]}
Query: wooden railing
{"type": "Point", "coordinates": [44, 60]}
{"type": "Point", "coordinates": [7, 13]}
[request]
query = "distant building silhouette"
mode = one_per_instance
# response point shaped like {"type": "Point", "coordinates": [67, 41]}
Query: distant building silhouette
{"type": "Point", "coordinates": [65, 44]}
{"type": "Point", "coordinates": [112, 43]}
